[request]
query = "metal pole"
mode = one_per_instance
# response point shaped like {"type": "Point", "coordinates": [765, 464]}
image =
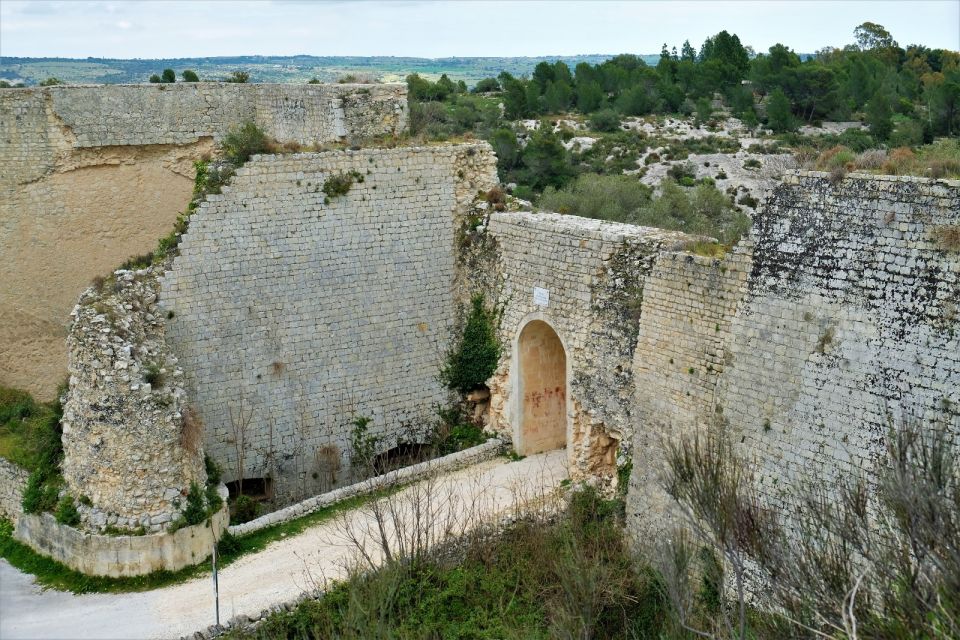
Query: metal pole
{"type": "Point", "coordinates": [216, 587]}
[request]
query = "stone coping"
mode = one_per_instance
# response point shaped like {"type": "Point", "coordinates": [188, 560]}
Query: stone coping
{"type": "Point", "coordinates": [489, 449]}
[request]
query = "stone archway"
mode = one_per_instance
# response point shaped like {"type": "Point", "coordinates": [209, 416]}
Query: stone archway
{"type": "Point", "coordinates": [542, 387]}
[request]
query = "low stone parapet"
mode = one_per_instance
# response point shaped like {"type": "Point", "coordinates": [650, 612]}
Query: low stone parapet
{"type": "Point", "coordinates": [460, 459]}
{"type": "Point", "coordinates": [121, 556]}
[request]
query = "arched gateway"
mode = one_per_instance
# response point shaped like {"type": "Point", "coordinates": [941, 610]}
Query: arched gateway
{"type": "Point", "coordinates": [541, 390]}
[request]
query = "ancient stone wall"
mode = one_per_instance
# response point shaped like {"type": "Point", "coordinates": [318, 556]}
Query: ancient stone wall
{"type": "Point", "coordinates": [90, 175]}
{"type": "Point", "coordinates": [13, 480]}
{"type": "Point", "coordinates": [848, 324]}
{"type": "Point", "coordinates": [131, 444]}
{"type": "Point", "coordinates": [121, 556]}
{"type": "Point", "coordinates": [850, 321]}
{"type": "Point", "coordinates": [594, 273]}
{"type": "Point", "coordinates": [688, 304]}
{"type": "Point", "coordinates": [294, 311]}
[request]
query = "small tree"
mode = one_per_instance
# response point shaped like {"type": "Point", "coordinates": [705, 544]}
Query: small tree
{"type": "Point", "coordinates": [779, 115]}
{"type": "Point", "coordinates": [239, 77]}
{"type": "Point", "coordinates": [878, 116]}
{"type": "Point", "coordinates": [155, 79]}
{"type": "Point", "coordinates": [244, 141]}
{"type": "Point", "coordinates": [168, 76]}
{"type": "Point", "coordinates": [605, 120]}
{"type": "Point", "coordinates": [704, 111]}
{"type": "Point", "coordinates": [475, 356]}
{"type": "Point", "coordinates": [190, 76]}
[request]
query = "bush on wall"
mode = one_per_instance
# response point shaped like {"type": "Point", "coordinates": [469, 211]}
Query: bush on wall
{"type": "Point", "coordinates": [474, 357]}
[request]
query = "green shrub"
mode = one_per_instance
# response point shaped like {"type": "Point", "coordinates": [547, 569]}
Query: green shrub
{"type": "Point", "coordinates": [196, 509]}
{"type": "Point", "coordinates": [606, 120]}
{"type": "Point", "coordinates": [245, 509]}
{"type": "Point", "coordinates": [50, 82]}
{"type": "Point", "coordinates": [39, 496]}
{"type": "Point", "coordinates": [152, 374]}
{"type": "Point", "coordinates": [614, 198]}
{"type": "Point", "coordinates": [214, 473]}
{"type": "Point", "coordinates": [339, 184]}
{"type": "Point", "coordinates": [168, 76]}
{"type": "Point", "coordinates": [244, 141]}
{"type": "Point", "coordinates": [67, 512]}
{"type": "Point", "coordinates": [190, 76]}
{"type": "Point", "coordinates": [239, 77]}
{"type": "Point", "coordinates": [155, 79]}
{"type": "Point", "coordinates": [476, 353]}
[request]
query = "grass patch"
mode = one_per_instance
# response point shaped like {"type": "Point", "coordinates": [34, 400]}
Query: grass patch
{"type": "Point", "coordinates": [26, 426]}
{"type": "Point", "coordinates": [706, 249]}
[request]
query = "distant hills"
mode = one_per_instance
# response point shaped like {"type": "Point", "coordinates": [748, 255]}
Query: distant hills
{"type": "Point", "coordinates": [277, 68]}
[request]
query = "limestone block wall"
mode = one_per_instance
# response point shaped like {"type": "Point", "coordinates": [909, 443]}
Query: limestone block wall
{"type": "Point", "coordinates": [131, 444]}
{"type": "Point", "coordinates": [294, 312]}
{"type": "Point", "coordinates": [595, 274]}
{"type": "Point", "coordinates": [846, 324]}
{"type": "Point", "coordinates": [851, 316]}
{"type": "Point", "coordinates": [689, 302]}
{"type": "Point", "coordinates": [90, 175]}
{"type": "Point", "coordinates": [13, 480]}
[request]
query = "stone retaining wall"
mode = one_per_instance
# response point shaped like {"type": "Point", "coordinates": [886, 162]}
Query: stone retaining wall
{"type": "Point", "coordinates": [13, 480]}
{"type": "Point", "coordinates": [91, 175]}
{"type": "Point", "coordinates": [121, 556]}
{"type": "Point", "coordinates": [293, 312]}
{"type": "Point", "coordinates": [486, 451]}
{"type": "Point", "coordinates": [846, 325]}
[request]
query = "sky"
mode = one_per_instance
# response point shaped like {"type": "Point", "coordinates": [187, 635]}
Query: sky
{"type": "Point", "coordinates": [178, 28]}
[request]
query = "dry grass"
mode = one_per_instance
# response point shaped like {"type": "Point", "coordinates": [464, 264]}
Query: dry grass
{"type": "Point", "coordinates": [938, 160]}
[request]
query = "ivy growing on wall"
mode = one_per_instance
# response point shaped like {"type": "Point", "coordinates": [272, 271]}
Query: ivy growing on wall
{"type": "Point", "coordinates": [475, 354]}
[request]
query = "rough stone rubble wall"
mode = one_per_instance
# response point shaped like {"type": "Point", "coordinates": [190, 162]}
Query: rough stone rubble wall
{"type": "Point", "coordinates": [595, 273]}
{"type": "Point", "coordinates": [130, 444]}
{"type": "Point", "coordinates": [848, 316]}
{"type": "Point", "coordinates": [295, 312]}
{"type": "Point", "coordinates": [13, 480]}
{"type": "Point", "coordinates": [90, 175]}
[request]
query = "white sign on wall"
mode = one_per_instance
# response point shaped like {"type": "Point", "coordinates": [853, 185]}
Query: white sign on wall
{"type": "Point", "coordinates": [541, 297]}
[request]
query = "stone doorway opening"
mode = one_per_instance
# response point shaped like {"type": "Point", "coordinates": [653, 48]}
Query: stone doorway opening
{"type": "Point", "coordinates": [542, 386]}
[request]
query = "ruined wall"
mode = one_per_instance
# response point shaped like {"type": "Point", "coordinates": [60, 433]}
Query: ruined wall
{"type": "Point", "coordinates": [13, 480]}
{"type": "Point", "coordinates": [130, 444]}
{"type": "Point", "coordinates": [90, 175]}
{"type": "Point", "coordinates": [594, 272]}
{"type": "Point", "coordinates": [848, 317]}
{"type": "Point", "coordinates": [294, 312]}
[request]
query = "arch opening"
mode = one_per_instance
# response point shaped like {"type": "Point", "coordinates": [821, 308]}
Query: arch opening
{"type": "Point", "coordinates": [543, 389]}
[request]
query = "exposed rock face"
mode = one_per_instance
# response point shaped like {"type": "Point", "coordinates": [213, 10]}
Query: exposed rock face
{"type": "Point", "coordinates": [131, 443]}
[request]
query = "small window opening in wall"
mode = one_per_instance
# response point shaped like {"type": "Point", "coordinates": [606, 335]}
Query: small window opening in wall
{"type": "Point", "coordinates": [258, 488]}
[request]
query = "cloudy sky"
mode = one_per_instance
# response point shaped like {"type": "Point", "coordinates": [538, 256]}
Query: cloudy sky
{"type": "Point", "coordinates": [174, 28]}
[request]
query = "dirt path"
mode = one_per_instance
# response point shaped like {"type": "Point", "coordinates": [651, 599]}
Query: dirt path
{"type": "Point", "coordinates": [284, 569]}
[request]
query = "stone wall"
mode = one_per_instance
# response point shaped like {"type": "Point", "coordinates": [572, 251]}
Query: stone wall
{"type": "Point", "coordinates": [594, 272]}
{"type": "Point", "coordinates": [847, 325]}
{"type": "Point", "coordinates": [688, 304]}
{"type": "Point", "coordinates": [121, 556]}
{"type": "Point", "coordinates": [90, 175]}
{"type": "Point", "coordinates": [850, 320]}
{"type": "Point", "coordinates": [131, 444]}
{"type": "Point", "coordinates": [294, 312]}
{"type": "Point", "coordinates": [13, 480]}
